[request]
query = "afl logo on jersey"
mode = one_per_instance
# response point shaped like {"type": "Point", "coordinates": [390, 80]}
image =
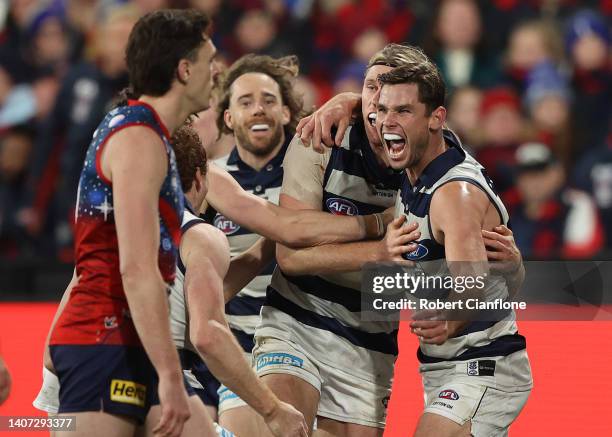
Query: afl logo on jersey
{"type": "Point", "coordinates": [420, 252]}
{"type": "Point", "coordinates": [226, 225]}
{"type": "Point", "coordinates": [449, 394]}
{"type": "Point", "coordinates": [339, 206]}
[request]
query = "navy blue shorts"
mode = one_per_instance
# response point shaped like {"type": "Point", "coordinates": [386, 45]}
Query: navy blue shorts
{"type": "Point", "coordinates": [111, 378]}
{"type": "Point", "coordinates": [193, 363]}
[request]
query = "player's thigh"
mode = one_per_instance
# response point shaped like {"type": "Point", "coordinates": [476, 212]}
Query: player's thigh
{"type": "Point", "coordinates": [243, 421]}
{"type": "Point", "coordinates": [435, 425]}
{"type": "Point", "coordinates": [98, 424]}
{"type": "Point", "coordinates": [199, 424]}
{"type": "Point", "coordinates": [332, 428]}
{"type": "Point", "coordinates": [297, 392]}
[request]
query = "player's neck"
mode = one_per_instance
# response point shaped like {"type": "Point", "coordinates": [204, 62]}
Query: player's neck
{"type": "Point", "coordinates": [435, 148]}
{"type": "Point", "coordinates": [170, 110]}
{"type": "Point", "coordinates": [258, 162]}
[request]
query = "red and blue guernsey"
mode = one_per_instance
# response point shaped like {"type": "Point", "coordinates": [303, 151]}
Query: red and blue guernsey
{"type": "Point", "coordinates": [97, 311]}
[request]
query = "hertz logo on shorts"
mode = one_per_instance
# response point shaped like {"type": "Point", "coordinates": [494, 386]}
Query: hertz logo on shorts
{"type": "Point", "coordinates": [128, 392]}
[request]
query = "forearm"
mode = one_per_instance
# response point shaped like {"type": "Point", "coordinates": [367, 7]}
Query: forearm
{"type": "Point", "coordinates": [329, 258]}
{"type": "Point", "coordinates": [225, 359]}
{"type": "Point", "coordinates": [246, 266]}
{"type": "Point", "coordinates": [148, 304]}
{"type": "Point", "coordinates": [515, 280]}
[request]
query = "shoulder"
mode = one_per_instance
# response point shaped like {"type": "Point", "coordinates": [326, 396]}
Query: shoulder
{"type": "Point", "coordinates": [299, 154]}
{"type": "Point", "coordinates": [205, 241]}
{"type": "Point", "coordinates": [458, 197]}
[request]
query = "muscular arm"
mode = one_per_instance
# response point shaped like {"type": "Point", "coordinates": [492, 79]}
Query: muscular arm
{"type": "Point", "coordinates": [205, 252]}
{"type": "Point", "coordinates": [305, 228]}
{"type": "Point", "coordinates": [458, 213]}
{"type": "Point", "coordinates": [246, 266]}
{"type": "Point", "coordinates": [139, 151]}
{"type": "Point", "coordinates": [335, 258]}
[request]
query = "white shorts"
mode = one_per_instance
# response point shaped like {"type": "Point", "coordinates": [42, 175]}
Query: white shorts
{"type": "Point", "coordinates": [345, 397]}
{"type": "Point", "coordinates": [458, 391]}
{"type": "Point", "coordinates": [48, 396]}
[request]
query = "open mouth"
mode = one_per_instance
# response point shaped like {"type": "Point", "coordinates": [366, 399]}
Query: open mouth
{"type": "Point", "coordinates": [372, 118]}
{"type": "Point", "coordinates": [260, 127]}
{"type": "Point", "coordinates": [395, 144]}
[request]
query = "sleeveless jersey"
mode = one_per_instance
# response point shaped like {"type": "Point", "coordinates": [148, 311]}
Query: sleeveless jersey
{"type": "Point", "coordinates": [478, 339]}
{"type": "Point", "coordinates": [97, 311]}
{"type": "Point", "coordinates": [353, 184]}
{"type": "Point", "coordinates": [242, 312]}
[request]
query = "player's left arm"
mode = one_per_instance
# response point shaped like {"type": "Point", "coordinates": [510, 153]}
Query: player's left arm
{"type": "Point", "coordinates": [505, 257]}
{"type": "Point", "coordinates": [459, 211]}
{"type": "Point", "coordinates": [246, 266]}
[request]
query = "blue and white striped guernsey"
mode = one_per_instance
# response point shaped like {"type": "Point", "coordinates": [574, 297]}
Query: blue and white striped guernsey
{"type": "Point", "coordinates": [243, 310]}
{"type": "Point", "coordinates": [318, 311]}
{"type": "Point", "coordinates": [478, 339]}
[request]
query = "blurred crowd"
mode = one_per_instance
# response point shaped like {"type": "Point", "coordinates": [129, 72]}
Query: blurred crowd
{"type": "Point", "coordinates": [529, 91]}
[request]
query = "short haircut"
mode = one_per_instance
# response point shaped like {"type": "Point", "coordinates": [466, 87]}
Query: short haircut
{"type": "Point", "coordinates": [158, 41]}
{"type": "Point", "coordinates": [426, 76]}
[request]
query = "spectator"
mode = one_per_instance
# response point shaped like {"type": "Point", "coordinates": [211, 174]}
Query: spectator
{"type": "Point", "coordinates": [458, 49]}
{"type": "Point", "coordinates": [464, 115]}
{"type": "Point", "coordinates": [503, 129]}
{"type": "Point", "coordinates": [593, 174]}
{"type": "Point", "coordinates": [84, 97]}
{"type": "Point", "coordinates": [588, 43]}
{"type": "Point", "coordinates": [548, 102]}
{"type": "Point", "coordinates": [550, 220]}
{"type": "Point", "coordinates": [15, 150]}
{"type": "Point", "coordinates": [531, 43]}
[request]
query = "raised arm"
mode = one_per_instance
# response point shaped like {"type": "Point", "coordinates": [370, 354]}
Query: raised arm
{"type": "Point", "coordinates": [205, 253]}
{"type": "Point", "coordinates": [306, 228]}
{"type": "Point", "coordinates": [135, 161]}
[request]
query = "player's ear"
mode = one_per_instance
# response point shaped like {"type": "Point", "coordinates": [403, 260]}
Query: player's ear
{"type": "Point", "coordinates": [286, 115]}
{"type": "Point", "coordinates": [437, 119]}
{"type": "Point", "coordinates": [183, 71]}
{"type": "Point", "coordinates": [198, 180]}
{"type": "Point", "coordinates": [227, 118]}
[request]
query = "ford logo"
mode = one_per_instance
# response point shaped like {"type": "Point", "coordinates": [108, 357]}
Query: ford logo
{"type": "Point", "coordinates": [226, 225]}
{"type": "Point", "coordinates": [449, 394]}
{"type": "Point", "coordinates": [420, 252]}
{"type": "Point", "coordinates": [339, 206]}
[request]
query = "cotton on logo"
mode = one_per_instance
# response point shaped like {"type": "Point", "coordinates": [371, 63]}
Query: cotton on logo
{"type": "Point", "coordinates": [341, 206]}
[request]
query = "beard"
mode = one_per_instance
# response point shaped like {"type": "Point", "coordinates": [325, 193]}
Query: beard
{"type": "Point", "coordinates": [263, 149]}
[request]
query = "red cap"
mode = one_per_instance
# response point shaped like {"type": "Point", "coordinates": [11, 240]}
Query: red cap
{"type": "Point", "coordinates": [499, 97]}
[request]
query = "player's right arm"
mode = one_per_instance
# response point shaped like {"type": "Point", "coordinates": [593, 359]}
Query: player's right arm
{"type": "Point", "coordinates": [306, 228]}
{"type": "Point", "coordinates": [135, 160]}
{"type": "Point", "coordinates": [205, 254]}
{"type": "Point", "coordinates": [303, 190]}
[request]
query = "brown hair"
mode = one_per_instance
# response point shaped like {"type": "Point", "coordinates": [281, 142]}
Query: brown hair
{"type": "Point", "coordinates": [426, 76]}
{"type": "Point", "coordinates": [158, 41]}
{"type": "Point", "coordinates": [282, 70]}
{"type": "Point", "coordinates": [190, 154]}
